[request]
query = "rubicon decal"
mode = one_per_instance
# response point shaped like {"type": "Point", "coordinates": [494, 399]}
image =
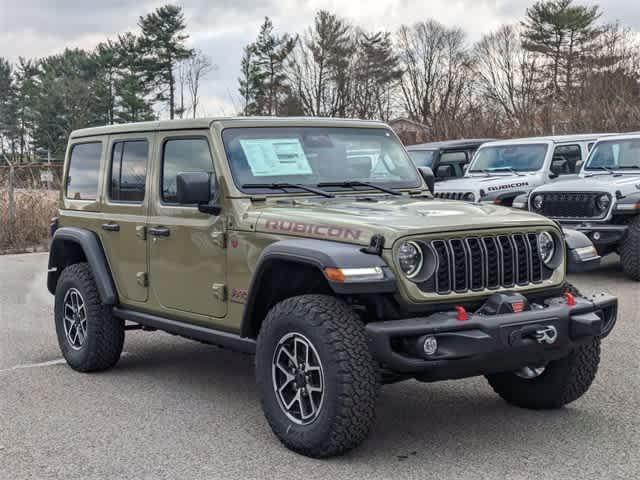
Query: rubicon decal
{"type": "Point", "coordinates": [315, 229]}
{"type": "Point", "coordinates": [508, 186]}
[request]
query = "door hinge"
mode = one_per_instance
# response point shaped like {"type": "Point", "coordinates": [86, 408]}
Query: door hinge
{"type": "Point", "coordinates": [219, 291]}
{"type": "Point", "coordinates": [141, 232]}
{"type": "Point", "coordinates": [220, 239]}
{"type": "Point", "coordinates": [143, 279]}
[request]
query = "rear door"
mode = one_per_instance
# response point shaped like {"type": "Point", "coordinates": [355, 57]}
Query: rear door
{"type": "Point", "coordinates": [123, 231]}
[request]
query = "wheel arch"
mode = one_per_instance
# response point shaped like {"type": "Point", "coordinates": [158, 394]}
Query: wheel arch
{"type": "Point", "coordinates": [296, 267]}
{"type": "Point", "coordinates": [75, 245]}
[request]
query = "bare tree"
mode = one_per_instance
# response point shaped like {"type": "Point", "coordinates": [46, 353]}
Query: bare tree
{"type": "Point", "coordinates": [197, 68]}
{"type": "Point", "coordinates": [436, 85]}
{"type": "Point", "coordinates": [506, 79]}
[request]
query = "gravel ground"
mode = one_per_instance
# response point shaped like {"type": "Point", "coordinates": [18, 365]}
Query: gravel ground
{"type": "Point", "coordinates": [178, 409]}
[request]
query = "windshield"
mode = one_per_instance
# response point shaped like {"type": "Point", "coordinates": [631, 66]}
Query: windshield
{"type": "Point", "coordinates": [314, 155]}
{"type": "Point", "coordinates": [519, 158]}
{"type": "Point", "coordinates": [422, 158]}
{"type": "Point", "coordinates": [615, 155]}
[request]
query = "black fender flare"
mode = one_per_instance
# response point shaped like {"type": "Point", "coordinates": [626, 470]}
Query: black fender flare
{"type": "Point", "coordinates": [90, 244]}
{"type": "Point", "coordinates": [319, 254]}
{"type": "Point", "coordinates": [577, 242]}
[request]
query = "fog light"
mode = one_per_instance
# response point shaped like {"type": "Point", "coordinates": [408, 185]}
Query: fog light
{"type": "Point", "coordinates": [596, 236]}
{"type": "Point", "coordinates": [430, 345]}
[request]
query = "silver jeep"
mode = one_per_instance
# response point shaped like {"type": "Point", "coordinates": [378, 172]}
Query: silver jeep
{"type": "Point", "coordinates": [603, 201]}
{"type": "Point", "coordinates": [501, 171]}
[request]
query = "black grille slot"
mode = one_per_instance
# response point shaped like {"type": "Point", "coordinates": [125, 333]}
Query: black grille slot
{"type": "Point", "coordinates": [493, 262]}
{"type": "Point", "coordinates": [460, 268]}
{"type": "Point", "coordinates": [522, 259]}
{"type": "Point", "coordinates": [443, 274]}
{"type": "Point", "coordinates": [508, 261]}
{"type": "Point", "coordinates": [476, 262]}
{"type": "Point", "coordinates": [536, 262]}
{"type": "Point", "coordinates": [572, 205]}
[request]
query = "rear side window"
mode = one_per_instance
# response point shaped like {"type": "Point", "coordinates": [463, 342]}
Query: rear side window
{"type": "Point", "coordinates": [84, 168]}
{"type": "Point", "coordinates": [458, 157]}
{"type": "Point", "coordinates": [183, 155]}
{"type": "Point", "coordinates": [129, 171]}
{"type": "Point", "coordinates": [567, 159]}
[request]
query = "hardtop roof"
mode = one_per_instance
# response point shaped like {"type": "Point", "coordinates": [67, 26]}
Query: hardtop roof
{"type": "Point", "coordinates": [460, 143]}
{"type": "Point", "coordinates": [582, 137]}
{"type": "Point", "coordinates": [205, 123]}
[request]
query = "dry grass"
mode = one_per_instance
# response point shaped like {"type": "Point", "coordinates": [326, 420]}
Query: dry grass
{"type": "Point", "coordinates": [34, 210]}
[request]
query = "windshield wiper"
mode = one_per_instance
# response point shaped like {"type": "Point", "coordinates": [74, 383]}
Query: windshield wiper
{"type": "Point", "coordinates": [285, 185]}
{"type": "Point", "coordinates": [608, 169]}
{"type": "Point", "coordinates": [355, 183]}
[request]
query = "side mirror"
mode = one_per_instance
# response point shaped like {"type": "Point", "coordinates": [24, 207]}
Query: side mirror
{"type": "Point", "coordinates": [194, 188]}
{"type": "Point", "coordinates": [429, 177]}
{"type": "Point", "coordinates": [445, 171]}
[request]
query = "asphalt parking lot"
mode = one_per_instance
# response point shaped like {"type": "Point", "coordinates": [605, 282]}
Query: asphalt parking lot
{"type": "Point", "coordinates": [178, 409]}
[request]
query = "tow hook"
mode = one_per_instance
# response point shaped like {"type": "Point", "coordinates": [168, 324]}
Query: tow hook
{"type": "Point", "coordinates": [543, 334]}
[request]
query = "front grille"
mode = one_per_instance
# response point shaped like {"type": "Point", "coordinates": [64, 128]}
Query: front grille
{"type": "Point", "coordinates": [450, 195]}
{"type": "Point", "coordinates": [580, 205]}
{"type": "Point", "coordinates": [487, 262]}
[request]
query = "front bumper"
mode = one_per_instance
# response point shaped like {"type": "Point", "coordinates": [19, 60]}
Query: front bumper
{"type": "Point", "coordinates": [599, 234]}
{"type": "Point", "coordinates": [489, 343]}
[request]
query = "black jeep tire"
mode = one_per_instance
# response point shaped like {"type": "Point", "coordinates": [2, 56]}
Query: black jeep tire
{"type": "Point", "coordinates": [101, 344]}
{"type": "Point", "coordinates": [562, 381]}
{"type": "Point", "coordinates": [630, 250]}
{"type": "Point", "coordinates": [350, 376]}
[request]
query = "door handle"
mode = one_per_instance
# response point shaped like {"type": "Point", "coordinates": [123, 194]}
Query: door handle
{"type": "Point", "coordinates": [111, 227]}
{"type": "Point", "coordinates": [159, 231]}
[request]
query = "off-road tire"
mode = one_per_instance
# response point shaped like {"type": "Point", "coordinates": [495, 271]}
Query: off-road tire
{"type": "Point", "coordinates": [350, 375]}
{"type": "Point", "coordinates": [630, 250]}
{"type": "Point", "coordinates": [104, 332]}
{"type": "Point", "coordinates": [562, 382]}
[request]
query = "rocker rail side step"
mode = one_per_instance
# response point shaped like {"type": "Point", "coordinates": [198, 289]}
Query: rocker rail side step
{"type": "Point", "coordinates": [195, 332]}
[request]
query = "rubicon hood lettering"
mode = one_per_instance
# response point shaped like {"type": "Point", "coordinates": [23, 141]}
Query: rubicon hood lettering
{"type": "Point", "coordinates": [508, 186]}
{"type": "Point", "coordinates": [318, 230]}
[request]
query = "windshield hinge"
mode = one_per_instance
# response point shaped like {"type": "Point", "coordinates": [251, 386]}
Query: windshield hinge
{"type": "Point", "coordinates": [220, 239]}
{"type": "Point", "coordinates": [376, 244]}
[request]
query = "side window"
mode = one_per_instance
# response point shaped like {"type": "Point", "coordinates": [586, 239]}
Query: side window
{"type": "Point", "coordinates": [567, 159]}
{"type": "Point", "coordinates": [84, 168]}
{"type": "Point", "coordinates": [129, 171]}
{"type": "Point", "coordinates": [183, 155]}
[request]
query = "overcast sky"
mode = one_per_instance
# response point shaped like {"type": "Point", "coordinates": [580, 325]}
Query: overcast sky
{"type": "Point", "coordinates": [35, 28]}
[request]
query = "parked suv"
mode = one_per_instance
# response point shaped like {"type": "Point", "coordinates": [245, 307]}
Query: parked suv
{"type": "Point", "coordinates": [500, 171]}
{"type": "Point", "coordinates": [448, 159]}
{"type": "Point", "coordinates": [338, 270]}
{"type": "Point", "coordinates": [603, 201]}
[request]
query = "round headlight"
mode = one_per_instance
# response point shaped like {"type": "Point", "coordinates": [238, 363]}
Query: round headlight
{"type": "Point", "coordinates": [410, 258]}
{"type": "Point", "coordinates": [603, 202]}
{"type": "Point", "coordinates": [546, 247]}
{"type": "Point", "coordinates": [469, 197]}
{"type": "Point", "coordinates": [537, 202]}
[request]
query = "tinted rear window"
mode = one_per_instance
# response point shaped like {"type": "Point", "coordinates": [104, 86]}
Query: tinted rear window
{"type": "Point", "coordinates": [84, 168]}
{"type": "Point", "coordinates": [129, 171]}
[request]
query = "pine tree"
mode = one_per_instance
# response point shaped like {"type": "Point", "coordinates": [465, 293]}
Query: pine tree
{"type": "Point", "coordinates": [564, 33]}
{"type": "Point", "coordinates": [163, 46]}
{"type": "Point", "coordinates": [270, 52]}
{"type": "Point", "coordinates": [250, 81]}
{"type": "Point", "coordinates": [8, 108]}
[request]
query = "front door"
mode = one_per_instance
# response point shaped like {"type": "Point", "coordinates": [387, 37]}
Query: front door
{"type": "Point", "coordinates": [125, 206]}
{"type": "Point", "coordinates": [187, 249]}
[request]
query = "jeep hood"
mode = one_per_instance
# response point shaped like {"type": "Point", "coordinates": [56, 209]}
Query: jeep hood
{"type": "Point", "coordinates": [348, 219]}
{"type": "Point", "coordinates": [492, 184]}
{"type": "Point", "coordinates": [597, 183]}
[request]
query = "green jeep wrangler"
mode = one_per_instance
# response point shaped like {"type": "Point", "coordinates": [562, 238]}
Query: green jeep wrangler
{"type": "Point", "coordinates": [316, 245]}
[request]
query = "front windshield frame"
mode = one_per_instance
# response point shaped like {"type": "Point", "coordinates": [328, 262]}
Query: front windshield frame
{"type": "Point", "coordinates": [618, 168]}
{"type": "Point", "coordinates": [233, 135]}
{"type": "Point", "coordinates": [506, 169]}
